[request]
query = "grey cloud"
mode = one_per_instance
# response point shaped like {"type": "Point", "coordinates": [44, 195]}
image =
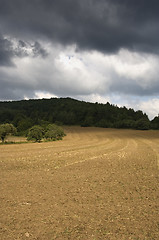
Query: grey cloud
{"type": "Point", "coordinates": [105, 25]}
{"type": "Point", "coordinates": [8, 51]}
{"type": "Point", "coordinates": [10, 90]}
{"type": "Point", "coordinates": [27, 49]}
{"type": "Point", "coordinates": [125, 87]}
{"type": "Point", "coordinates": [22, 44]}
{"type": "Point", "coordinates": [38, 50]}
{"type": "Point", "coordinates": [5, 52]}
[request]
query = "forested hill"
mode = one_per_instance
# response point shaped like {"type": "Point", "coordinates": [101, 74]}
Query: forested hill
{"type": "Point", "coordinates": [26, 113]}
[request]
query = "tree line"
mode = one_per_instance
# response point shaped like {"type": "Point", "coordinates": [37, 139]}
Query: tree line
{"type": "Point", "coordinates": [25, 114]}
{"type": "Point", "coordinates": [36, 133]}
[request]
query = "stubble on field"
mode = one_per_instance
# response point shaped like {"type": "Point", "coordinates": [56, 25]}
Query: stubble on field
{"type": "Point", "coordinates": [94, 184]}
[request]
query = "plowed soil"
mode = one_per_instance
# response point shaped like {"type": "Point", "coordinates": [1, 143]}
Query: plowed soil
{"type": "Point", "coordinates": [94, 184]}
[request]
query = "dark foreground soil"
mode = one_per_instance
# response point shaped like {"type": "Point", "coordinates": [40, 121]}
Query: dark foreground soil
{"type": "Point", "coordinates": [95, 184]}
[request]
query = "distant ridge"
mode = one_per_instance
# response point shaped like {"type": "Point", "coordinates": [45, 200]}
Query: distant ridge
{"type": "Point", "coordinates": [67, 111]}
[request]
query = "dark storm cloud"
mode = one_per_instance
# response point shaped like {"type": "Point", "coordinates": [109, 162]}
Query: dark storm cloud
{"type": "Point", "coordinates": [105, 25]}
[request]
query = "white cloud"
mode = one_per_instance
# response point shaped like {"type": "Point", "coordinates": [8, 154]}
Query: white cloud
{"type": "Point", "coordinates": [151, 107]}
{"type": "Point", "coordinates": [90, 76]}
{"type": "Point", "coordinates": [95, 98]}
{"type": "Point", "coordinates": [41, 94]}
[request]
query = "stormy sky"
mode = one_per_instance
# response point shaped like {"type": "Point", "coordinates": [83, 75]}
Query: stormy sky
{"type": "Point", "coordinates": [92, 50]}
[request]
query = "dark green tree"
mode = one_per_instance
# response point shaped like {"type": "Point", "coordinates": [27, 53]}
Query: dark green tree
{"type": "Point", "coordinates": [24, 124]}
{"type": "Point", "coordinates": [54, 132]}
{"type": "Point", "coordinates": [5, 130]}
{"type": "Point", "coordinates": [35, 133]}
{"type": "Point", "coordinates": [155, 123]}
{"type": "Point", "coordinates": [142, 124]}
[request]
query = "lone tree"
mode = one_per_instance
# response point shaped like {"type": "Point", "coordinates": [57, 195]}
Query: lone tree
{"type": "Point", "coordinates": [5, 130]}
{"type": "Point", "coordinates": [54, 132]}
{"type": "Point", "coordinates": [35, 133]}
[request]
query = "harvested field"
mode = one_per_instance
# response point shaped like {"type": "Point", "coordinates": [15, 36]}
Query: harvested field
{"type": "Point", "coordinates": [95, 184]}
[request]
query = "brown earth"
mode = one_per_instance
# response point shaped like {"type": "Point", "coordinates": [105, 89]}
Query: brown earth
{"type": "Point", "coordinates": [95, 184]}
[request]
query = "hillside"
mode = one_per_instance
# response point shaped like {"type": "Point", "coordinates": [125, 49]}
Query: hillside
{"type": "Point", "coordinates": [26, 113]}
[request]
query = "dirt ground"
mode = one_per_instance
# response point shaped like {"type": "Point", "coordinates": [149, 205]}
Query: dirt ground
{"type": "Point", "coordinates": [94, 184]}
